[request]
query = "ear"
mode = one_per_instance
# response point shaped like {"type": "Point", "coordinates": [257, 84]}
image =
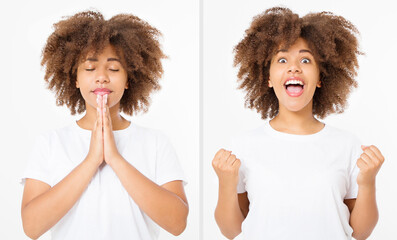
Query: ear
{"type": "Point", "coordinates": [269, 83]}
{"type": "Point", "coordinates": [319, 84]}
{"type": "Point", "coordinates": [126, 85]}
{"type": "Point", "coordinates": [77, 84]}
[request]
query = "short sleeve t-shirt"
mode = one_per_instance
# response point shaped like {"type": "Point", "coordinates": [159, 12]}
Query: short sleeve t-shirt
{"type": "Point", "coordinates": [105, 210]}
{"type": "Point", "coordinates": [296, 184]}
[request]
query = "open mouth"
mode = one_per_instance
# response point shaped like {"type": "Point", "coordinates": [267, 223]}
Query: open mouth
{"type": "Point", "coordinates": [294, 87]}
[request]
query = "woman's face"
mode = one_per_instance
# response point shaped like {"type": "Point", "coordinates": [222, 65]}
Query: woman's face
{"type": "Point", "coordinates": [294, 76]}
{"type": "Point", "coordinates": [102, 74]}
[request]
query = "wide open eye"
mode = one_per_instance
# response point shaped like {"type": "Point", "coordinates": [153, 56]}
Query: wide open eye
{"type": "Point", "coordinates": [305, 60]}
{"type": "Point", "coordinates": [282, 60]}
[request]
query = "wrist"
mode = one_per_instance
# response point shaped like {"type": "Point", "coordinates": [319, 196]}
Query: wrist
{"type": "Point", "coordinates": [227, 186]}
{"type": "Point", "coordinates": [93, 161]}
{"type": "Point", "coordinates": [367, 186]}
{"type": "Point", "coordinates": [113, 161]}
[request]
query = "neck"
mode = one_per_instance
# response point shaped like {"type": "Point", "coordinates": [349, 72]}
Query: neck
{"type": "Point", "coordinates": [299, 122]}
{"type": "Point", "coordinates": [88, 121]}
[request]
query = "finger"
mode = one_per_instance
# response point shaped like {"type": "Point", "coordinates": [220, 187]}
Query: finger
{"type": "Point", "coordinates": [96, 121]}
{"type": "Point", "coordinates": [98, 104]}
{"type": "Point", "coordinates": [361, 164]}
{"type": "Point", "coordinates": [109, 119]}
{"type": "Point", "coordinates": [363, 147]}
{"type": "Point", "coordinates": [99, 97]}
{"type": "Point", "coordinates": [104, 118]}
{"type": "Point", "coordinates": [237, 163]}
{"type": "Point", "coordinates": [103, 100]}
{"type": "Point", "coordinates": [98, 113]}
{"type": "Point", "coordinates": [367, 159]}
{"type": "Point", "coordinates": [377, 153]}
{"type": "Point", "coordinates": [105, 113]}
{"type": "Point", "coordinates": [218, 154]}
{"type": "Point", "coordinates": [230, 160]}
{"type": "Point", "coordinates": [100, 126]}
{"type": "Point", "coordinates": [225, 155]}
{"type": "Point", "coordinates": [372, 155]}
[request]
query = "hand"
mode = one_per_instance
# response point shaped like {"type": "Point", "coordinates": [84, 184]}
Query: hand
{"type": "Point", "coordinates": [226, 166]}
{"type": "Point", "coordinates": [95, 152]}
{"type": "Point", "coordinates": [369, 164]}
{"type": "Point", "coordinates": [110, 151]}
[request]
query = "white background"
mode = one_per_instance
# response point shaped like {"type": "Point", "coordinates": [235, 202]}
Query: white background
{"type": "Point", "coordinates": [371, 114]}
{"type": "Point", "coordinates": [28, 108]}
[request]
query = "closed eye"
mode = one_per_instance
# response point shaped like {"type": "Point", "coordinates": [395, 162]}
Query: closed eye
{"type": "Point", "coordinates": [114, 70]}
{"type": "Point", "coordinates": [90, 69]}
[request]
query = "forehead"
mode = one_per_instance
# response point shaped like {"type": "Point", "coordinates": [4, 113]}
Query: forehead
{"type": "Point", "coordinates": [107, 52]}
{"type": "Point", "coordinates": [298, 45]}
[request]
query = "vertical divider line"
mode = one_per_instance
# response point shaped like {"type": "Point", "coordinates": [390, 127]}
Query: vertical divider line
{"type": "Point", "coordinates": [201, 120]}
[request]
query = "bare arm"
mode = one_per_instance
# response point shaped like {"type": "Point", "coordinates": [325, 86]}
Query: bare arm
{"type": "Point", "coordinates": [43, 206]}
{"type": "Point", "coordinates": [228, 213]}
{"type": "Point", "coordinates": [166, 205]}
{"type": "Point", "coordinates": [364, 212]}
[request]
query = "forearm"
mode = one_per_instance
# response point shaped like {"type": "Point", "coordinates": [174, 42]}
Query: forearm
{"type": "Point", "coordinates": [364, 215]}
{"type": "Point", "coordinates": [227, 213]}
{"type": "Point", "coordinates": [166, 208]}
{"type": "Point", "coordinates": [44, 211]}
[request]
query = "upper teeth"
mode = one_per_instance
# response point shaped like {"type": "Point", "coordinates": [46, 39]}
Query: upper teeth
{"type": "Point", "coordinates": [294, 82]}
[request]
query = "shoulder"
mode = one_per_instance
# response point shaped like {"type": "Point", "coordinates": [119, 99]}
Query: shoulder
{"type": "Point", "coordinates": [342, 135]}
{"type": "Point", "coordinates": [145, 131]}
{"type": "Point", "coordinates": [49, 135]}
{"type": "Point", "coordinates": [249, 134]}
{"type": "Point", "coordinates": [246, 139]}
{"type": "Point", "coordinates": [149, 134]}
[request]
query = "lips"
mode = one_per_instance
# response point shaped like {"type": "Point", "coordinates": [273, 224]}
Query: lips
{"type": "Point", "coordinates": [102, 91]}
{"type": "Point", "coordinates": [294, 88]}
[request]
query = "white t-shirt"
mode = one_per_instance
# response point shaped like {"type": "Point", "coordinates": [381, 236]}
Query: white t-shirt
{"type": "Point", "coordinates": [296, 184]}
{"type": "Point", "coordinates": [105, 210]}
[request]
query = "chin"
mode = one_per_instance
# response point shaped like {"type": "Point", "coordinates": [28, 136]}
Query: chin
{"type": "Point", "coordinates": [295, 108]}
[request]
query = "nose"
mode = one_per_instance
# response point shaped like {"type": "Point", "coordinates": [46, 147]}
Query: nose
{"type": "Point", "coordinates": [101, 76]}
{"type": "Point", "coordinates": [294, 68]}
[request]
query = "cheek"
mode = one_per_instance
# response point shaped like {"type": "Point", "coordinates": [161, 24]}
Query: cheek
{"type": "Point", "coordinates": [115, 98]}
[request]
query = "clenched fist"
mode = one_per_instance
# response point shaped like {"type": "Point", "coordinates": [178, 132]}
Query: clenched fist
{"type": "Point", "coordinates": [369, 164]}
{"type": "Point", "coordinates": [226, 166]}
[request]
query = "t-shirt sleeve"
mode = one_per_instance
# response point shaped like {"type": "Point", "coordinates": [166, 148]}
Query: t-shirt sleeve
{"type": "Point", "coordinates": [354, 170]}
{"type": "Point", "coordinates": [235, 148]}
{"type": "Point", "coordinates": [37, 166]}
{"type": "Point", "coordinates": [168, 167]}
{"type": "Point", "coordinates": [241, 182]}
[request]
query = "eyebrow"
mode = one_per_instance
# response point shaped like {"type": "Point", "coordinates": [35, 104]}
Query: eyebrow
{"type": "Point", "coordinates": [96, 60]}
{"type": "Point", "coordinates": [300, 51]}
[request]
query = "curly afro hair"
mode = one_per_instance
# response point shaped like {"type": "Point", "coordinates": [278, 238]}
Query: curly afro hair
{"type": "Point", "coordinates": [134, 40]}
{"type": "Point", "coordinates": [333, 41]}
